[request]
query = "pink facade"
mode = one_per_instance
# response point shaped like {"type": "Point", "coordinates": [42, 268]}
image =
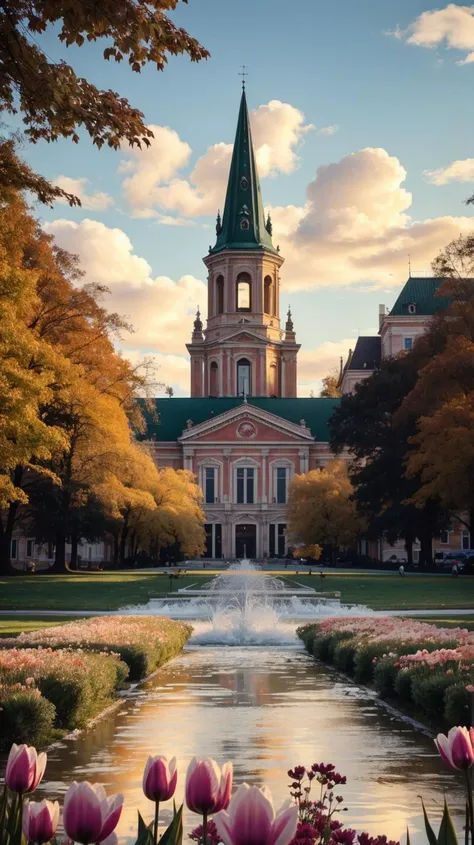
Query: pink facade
{"type": "Point", "coordinates": [244, 460]}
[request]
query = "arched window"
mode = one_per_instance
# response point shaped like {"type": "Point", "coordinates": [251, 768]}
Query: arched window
{"type": "Point", "coordinates": [220, 295]}
{"type": "Point", "coordinates": [244, 377]}
{"type": "Point", "coordinates": [268, 295]}
{"type": "Point", "coordinates": [213, 380]}
{"type": "Point", "coordinates": [244, 290]}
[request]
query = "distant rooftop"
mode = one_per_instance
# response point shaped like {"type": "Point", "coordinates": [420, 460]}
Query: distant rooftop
{"type": "Point", "coordinates": [418, 297]}
{"type": "Point", "coordinates": [366, 355]}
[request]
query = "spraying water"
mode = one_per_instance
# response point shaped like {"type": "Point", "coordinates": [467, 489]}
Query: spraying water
{"type": "Point", "coordinates": [246, 606]}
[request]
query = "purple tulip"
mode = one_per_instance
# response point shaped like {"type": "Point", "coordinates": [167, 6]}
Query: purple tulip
{"type": "Point", "coordinates": [457, 748]}
{"type": "Point", "coordinates": [159, 779]}
{"type": "Point", "coordinates": [40, 820]}
{"type": "Point", "coordinates": [208, 788]}
{"type": "Point", "coordinates": [89, 816]}
{"type": "Point", "coordinates": [25, 768]}
{"type": "Point", "coordinates": [251, 818]}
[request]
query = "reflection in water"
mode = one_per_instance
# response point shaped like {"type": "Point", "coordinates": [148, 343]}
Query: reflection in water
{"type": "Point", "coordinates": [266, 710]}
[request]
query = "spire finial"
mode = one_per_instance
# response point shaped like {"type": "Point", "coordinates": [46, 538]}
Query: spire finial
{"type": "Point", "coordinates": [198, 321]}
{"type": "Point", "coordinates": [409, 266]}
{"type": "Point", "coordinates": [289, 322]}
{"type": "Point", "coordinates": [243, 73]}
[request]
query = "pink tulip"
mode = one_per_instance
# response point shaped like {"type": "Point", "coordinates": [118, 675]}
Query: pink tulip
{"type": "Point", "coordinates": [457, 748]}
{"type": "Point", "coordinates": [159, 779]}
{"type": "Point", "coordinates": [40, 820]}
{"type": "Point", "coordinates": [207, 788]}
{"type": "Point", "coordinates": [89, 816]}
{"type": "Point", "coordinates": [251, 819]}
{"type": "Point", "coordinates": [25, 768]}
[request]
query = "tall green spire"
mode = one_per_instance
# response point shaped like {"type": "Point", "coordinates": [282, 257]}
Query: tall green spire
{"type": "Point", "coordinates": [243, 223]}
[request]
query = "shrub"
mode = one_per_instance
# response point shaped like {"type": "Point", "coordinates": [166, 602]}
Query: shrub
{"type": "Point", "coordinates": [385, 673]}
{"type": "Point", "coordinates": [344, 654]}
{"type": "Point", "coordinates": [428, 692]}
{"type": "Point", "coordinates": [458, 705]}
{"type": "Point", "coordinates": [366, 658]}
{"type": "Point", "coordinates": [79, 684]}
{"type": "Point", "coordinates": [143, 642]}
{"type": "Point", "coordinates": [25, 716]}
{"type": "Point", "coordinates": [307, 633]}
{"type": "Point", "coordinates": [403, 681]}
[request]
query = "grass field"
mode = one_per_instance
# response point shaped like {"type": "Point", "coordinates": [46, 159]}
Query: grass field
{"type": "Point", "coordinates": [88, 591]}
{"type": "Point", "coordinates": [110, 591]}
{"type": "Point", "coordinates": [11, 626]}
{"type": "Point", "coordinates": [390, 592]}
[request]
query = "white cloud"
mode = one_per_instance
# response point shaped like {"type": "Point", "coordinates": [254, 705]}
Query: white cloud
{"type": "Point", "coordinates": [328, 130]}
{"type": "Point", "coordinates": [315, 364]}
{"type": "Point", "coordinates": [152, 174]}
{"type": "Point", "coordinates": [453, 25]}
{"type": "Point", "coordinates": [96, 201]}
{"type": "Point", "coordinates": [461, 170]}
{"type": "Point", "coordinates": [355, 226]}
{"type": "Point", "coordinates": [160, 309]}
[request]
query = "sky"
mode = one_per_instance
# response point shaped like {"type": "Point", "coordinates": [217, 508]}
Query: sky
{"type": "Point", "coordinates": [362, 123]}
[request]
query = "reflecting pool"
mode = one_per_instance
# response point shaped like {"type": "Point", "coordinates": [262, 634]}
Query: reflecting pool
{"type": "Point", "coordinates": [266, 709]}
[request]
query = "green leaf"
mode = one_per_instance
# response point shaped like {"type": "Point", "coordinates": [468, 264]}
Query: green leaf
{"type": "Point", "coordinates": [144, 836]}
{"type": "Point", "coordinates": [432, 839]}
{"type": "Point", "coordinates": [447, 834]}
{"type": "Point", "coordinates": [173, 834]}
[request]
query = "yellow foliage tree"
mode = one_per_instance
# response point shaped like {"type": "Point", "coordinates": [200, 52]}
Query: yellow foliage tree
{"type": "Point", "coordinates": [320, 509]}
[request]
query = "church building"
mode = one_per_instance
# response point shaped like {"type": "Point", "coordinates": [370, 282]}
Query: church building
{"type": "Point", "coordinates": [243, 432]}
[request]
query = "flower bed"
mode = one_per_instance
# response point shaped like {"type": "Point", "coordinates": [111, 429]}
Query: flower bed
{"type": "Point", "coordinates": [423, 668]}
{"type": "Point", "coordinates": [143, 642]}
{"type": "Point", "coordinates": [79, 684]}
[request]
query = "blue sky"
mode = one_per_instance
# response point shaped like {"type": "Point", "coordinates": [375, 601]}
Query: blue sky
{"type": "Point", "coordinates": [340, 66]}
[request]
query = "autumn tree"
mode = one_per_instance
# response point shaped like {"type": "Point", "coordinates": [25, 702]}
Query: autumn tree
{"type": "Point", "coordinates": [443, 397]}
{"type": "Point", "coordinates": [57, 103]}
{"type": "Point", "coordinates": [321, 510]}
{"type": "Point", "coordinates": [330, 388]}
{"type": "Point", "coordinates": [368, 425]}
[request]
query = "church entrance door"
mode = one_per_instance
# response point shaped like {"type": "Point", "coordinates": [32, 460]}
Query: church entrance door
{"type": "Point", "coordinates": [246, 541]}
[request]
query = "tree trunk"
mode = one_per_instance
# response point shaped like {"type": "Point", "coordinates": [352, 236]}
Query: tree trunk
{"type": "Point", "coordinates": [426, 550]}
{"type": "Point", "coordinates": [6, 532]}
{"type": "Point", "coordinates": [59, 565]}
{"type": "Point", "coordinates": [74, 545]}
{"type": "Point", "coordinates": [123, 539]}
{"type": "Point", "coordinates": [409, 549]}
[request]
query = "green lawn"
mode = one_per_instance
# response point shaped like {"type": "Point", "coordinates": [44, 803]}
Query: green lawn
{"type": "Point", "coordinates": [87, 591]}
{"type": "Point", "coordinates": [449, 621]}
{"type": "Point", "coordinates": [11, 626]}
{"type": "Point", "coordinates": [391, 592]}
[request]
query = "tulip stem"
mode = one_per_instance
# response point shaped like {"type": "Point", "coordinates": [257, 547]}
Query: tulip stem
{"type": "Point", "coordinates": [470, 805]}
{"type": "Point", "coordinates": [204, 829]}
{"type": "Point", "coordinates": [155, 828]}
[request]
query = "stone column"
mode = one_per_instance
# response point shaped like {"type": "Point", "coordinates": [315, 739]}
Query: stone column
{"type": "Point", "coordinates": [221, 374]}
{"type": "Point", "coordinates": [188, 459]}
{"type": "Point", "coordinates": [229, 373]}
{"type": "Point", "coordinates": [283, 376]}
{"type": "Point", "coordinates": [264, 465]}
{"type": "Point", "coordinates": [263, 387]}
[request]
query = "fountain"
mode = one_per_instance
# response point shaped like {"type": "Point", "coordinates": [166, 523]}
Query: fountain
{"type": "Point", "coordinates": [246, 606]}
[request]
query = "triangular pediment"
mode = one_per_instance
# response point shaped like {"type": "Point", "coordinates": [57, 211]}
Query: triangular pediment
{"type": "Point", "coordinates": [247, 424]}
{"type": "Point", "coordinates": [242, 336]}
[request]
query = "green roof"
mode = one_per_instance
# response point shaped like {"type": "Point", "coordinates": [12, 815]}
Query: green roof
{"type": "Point", "coordinates": [167, 419]}
{"type": "Point", "coordinates": [243, 202]}
{"type": "Point", "coordinates": [420, 292]}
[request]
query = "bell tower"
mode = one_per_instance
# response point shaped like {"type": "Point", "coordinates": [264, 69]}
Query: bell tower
{"type": "Point", "coordinates": [243, 350]}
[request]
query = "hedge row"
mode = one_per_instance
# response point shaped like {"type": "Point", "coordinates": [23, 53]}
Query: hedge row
{"type": "Point", "coordinates": [144, 643]}
{"type": "Point", "coordinates": [424, 670]}
{"type": "Point", "coordinates": [75, 670]}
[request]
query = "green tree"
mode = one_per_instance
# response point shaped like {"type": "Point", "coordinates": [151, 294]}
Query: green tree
{"type": "Point", "coordinates": [330, 388]}
{"type": "Point", "coordinates": [57, 103]}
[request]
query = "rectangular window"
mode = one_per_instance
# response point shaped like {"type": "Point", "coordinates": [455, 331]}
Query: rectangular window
{"type": "Point", "coordinates": [444, 538]}
{"type": "Point", "coordinates": [245, 485]}
{"type": "Point", "coordinates": [408, 343]}
{"type": "Point", "coordinates": [272, 540]}
{"type": "Point", "coordinates": [466, 539]}
{"type": "Point", "coordinates": [14, 549]}
{"type": "Point", "coordinates": [281, 485]}
{"type": "Point", "coordinates": [29, 548]}
{"type": "Point", "coordinates": [208, 549]}
{"type": "Point", "coordinates": [210, 485]}
{"type": "Point", "coordinates": [281, 539]}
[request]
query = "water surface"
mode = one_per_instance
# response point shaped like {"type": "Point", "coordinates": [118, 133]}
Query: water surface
{"type": "Point", "coordinates": [266, 709]}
